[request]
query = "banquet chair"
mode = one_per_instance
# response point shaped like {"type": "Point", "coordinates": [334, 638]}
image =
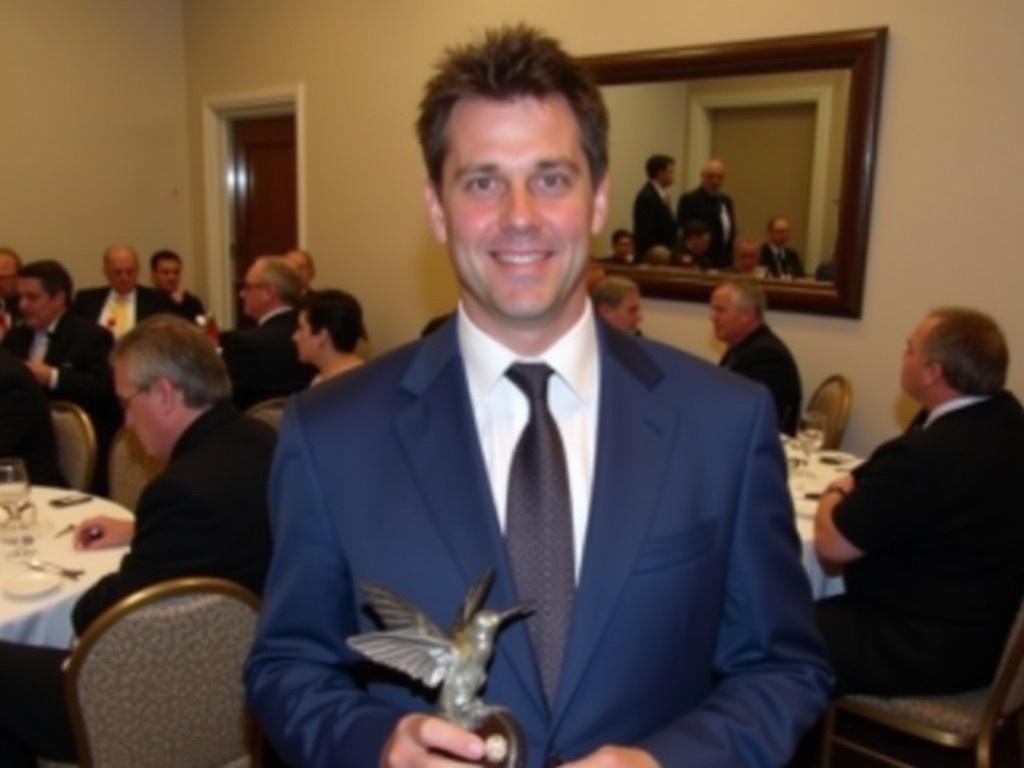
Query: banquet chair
{"type": "Point", "coordinates": [269, 411]}
{"type": "Point", "coordinates": [129, 468]}
{"type": "Point", "coordinates": [156, 680]}
{"type": "Point", "coordinates": [76, 443]}
{"type": "Point", "coordinates": [834, 398]}
{"type": "Point", "coordinates": [960, 721]}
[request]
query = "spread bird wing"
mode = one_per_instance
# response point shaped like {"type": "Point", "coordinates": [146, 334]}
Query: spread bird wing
{"type": "Point", "coordinates": [474, 599]}
{"type": "Point", "coordinates": [398, 613]}
{"type": "Point", "coordinates": [423, 657]}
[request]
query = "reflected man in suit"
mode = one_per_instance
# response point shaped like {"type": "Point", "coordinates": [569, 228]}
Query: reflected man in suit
{"type": "Point", "coordinates": [653, 223]}
{"type": "Point", "coordinates": [929, 527]}
{"type": "Point", "coordinates": [688, 638]}
{"type": "Point", "coordinates": [165, 269]}
{"type": "Point", "coordinates": [712, 206]}
{"type": "Point", "coordinates": [204, 515]}
{"type": "Point", "coordinates": [122, 303]}
{"type": "Point", "coordinates": [776, 256]}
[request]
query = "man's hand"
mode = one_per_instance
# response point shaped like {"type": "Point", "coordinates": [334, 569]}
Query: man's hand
{"type": "Point", "coordinates": [832, 547]}
{"type": "Point", "coordinates": [615, 757]}
{"type": "Point", "coordinates": [103, 532]}
{"type": "Point", "coordinates": [41, 371]}
{"type": "Point", "coordinates": [418, 739]}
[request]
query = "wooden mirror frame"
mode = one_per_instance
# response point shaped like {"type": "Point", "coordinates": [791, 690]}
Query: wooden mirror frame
{"type": "Point", "coordinates": [862, 52]}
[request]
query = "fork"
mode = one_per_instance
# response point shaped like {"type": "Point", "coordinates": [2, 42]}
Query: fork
{"type": "Point", "coordinates": [42, 565]}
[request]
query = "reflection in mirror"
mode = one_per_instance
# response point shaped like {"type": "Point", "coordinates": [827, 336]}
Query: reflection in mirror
{"type": "Point", "coordinates": [794, 121]}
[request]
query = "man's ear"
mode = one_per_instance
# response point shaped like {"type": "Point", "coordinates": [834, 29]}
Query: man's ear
{"type": "Point", "coordinates": [435, 212]}
{"type": "Point", "coordinates": [600, 213]}
{"type": "Point", "coordinates": [168, 396]}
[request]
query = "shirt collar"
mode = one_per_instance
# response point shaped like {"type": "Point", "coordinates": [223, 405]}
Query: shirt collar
{"type": "Point", "coordinates": [952, 405]}
{"type": "Point", "coordinates": [573, 357]}
{"type": "Point", "coordinates": [274, 313]}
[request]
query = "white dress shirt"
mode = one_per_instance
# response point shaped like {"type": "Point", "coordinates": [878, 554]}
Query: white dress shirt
{"type": "Point", "coordinates": [501, 410]}
{"type": "Point", "coordinates": [107, 315]}
{"type": "Point", "coordinates": [951, 405]}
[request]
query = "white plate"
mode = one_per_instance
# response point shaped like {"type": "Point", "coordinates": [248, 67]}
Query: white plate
{"type": "Point", "coordinates": [31, 584]}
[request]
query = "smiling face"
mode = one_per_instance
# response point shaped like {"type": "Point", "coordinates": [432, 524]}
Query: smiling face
{"type": "Point", "coordinates": [516, 208]}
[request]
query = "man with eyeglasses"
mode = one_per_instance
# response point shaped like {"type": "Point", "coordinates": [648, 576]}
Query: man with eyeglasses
{"type": "Point", "coordinates": [202, 516]}
{"type": "Point", "coordinates": [262, 360]}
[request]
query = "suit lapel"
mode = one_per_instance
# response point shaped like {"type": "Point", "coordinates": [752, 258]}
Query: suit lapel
{"type": "Point", "coordinates": [438, 436]}
{"type": "Point", "coordinates": [632, 450]}
{"type": "Point", "coordinates": [60, 342]}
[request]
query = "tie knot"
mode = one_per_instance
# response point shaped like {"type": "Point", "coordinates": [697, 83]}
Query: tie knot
{"type": "Point", "coordinates": [531, 378]}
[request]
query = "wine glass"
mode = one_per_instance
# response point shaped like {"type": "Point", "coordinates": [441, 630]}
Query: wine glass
{"type": "Point", "coordinates": [14, 488]}
{"type": "Point", "coordinates": [810, 433]}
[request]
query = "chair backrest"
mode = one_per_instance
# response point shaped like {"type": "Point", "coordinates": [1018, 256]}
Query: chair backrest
{"type": "Point", "coordinates": [269, 411]}
{"type": "Point", "coordinates": [130, 468]}
{"type": "Point", "coordinates": [157, 679]}
{"type": "Point", "coordinates": [1008, 687]}
{"type": "Point", "coordinates": [834, 398]}
{"type": "Point", "coordinates": [76, 443]}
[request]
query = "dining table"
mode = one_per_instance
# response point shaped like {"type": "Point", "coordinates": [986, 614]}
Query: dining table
{"type": "Point", "coordinates": [809, 476]}
{"type": "Point", "coordinates": [38, 591]}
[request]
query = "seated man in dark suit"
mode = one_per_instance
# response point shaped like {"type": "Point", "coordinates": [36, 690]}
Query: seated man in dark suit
{"type": "Point", "coordinates": [65, 353]}
{"type": "Point", "coordinates": [122, 303]}
{"type": "Point", "coordinates": [617, 301]}
{"type": "Point", "coordinates": [930, 527]}
{"type": "Point", "coordinates": [10, 263]}
{"type": "Point", "coordinates": [737, 315]}
{"type": "Point", "coordinates": [203, 516]}
{"type": "Point", "coordinates": [263, 361]}
{"type": "Point", "coordinates": [622, 248]}
{"type": "Point", "coordinates": [165, 271]}
{"type": "Point", "coordinates": [778, 259]}
{"type": "Point", "coordinates": [26, 429]}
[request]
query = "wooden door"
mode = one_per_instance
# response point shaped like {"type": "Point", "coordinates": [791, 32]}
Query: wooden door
{"type": "Point", "coordinates": [263, 193]}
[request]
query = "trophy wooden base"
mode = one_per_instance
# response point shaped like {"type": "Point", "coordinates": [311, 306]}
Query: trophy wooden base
{"type": "Point", "coordinates": [504, 743]}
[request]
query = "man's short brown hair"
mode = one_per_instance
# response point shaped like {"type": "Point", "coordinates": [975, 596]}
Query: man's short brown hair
{"type": "Point", "coordinates": [511, 62]}
{"type": "Point", "coordinates": [970, 348]}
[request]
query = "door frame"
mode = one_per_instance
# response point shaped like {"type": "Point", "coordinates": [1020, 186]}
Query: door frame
{"type": "Point", "coordinates": [217, 113]}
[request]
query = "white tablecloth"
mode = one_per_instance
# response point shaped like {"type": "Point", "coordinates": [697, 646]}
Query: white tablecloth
{"type": "Point", "coordinates": [805, 483]}
{"type": "Point", "coordinates": [46, 619]}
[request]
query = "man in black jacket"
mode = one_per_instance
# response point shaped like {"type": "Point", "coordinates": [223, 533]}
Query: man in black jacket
{"type": "Point", "coordinates": [26, 430]}
{"type": "Point", "coordinates": [653, 223]}
{"type": "Point", "coordinates": [712, 206]}
{"type": "Point", "coordinates": [930, 528]}
{"type": "Point", "coordinates": [203, 516]}
{"type": "Point", "coordinates": [737, 315]}
{"type": "Point", "coordinates": [67, 354]}
{"type": "Point", "coordinates": [262, 360]}
{"type": "Point", "coordinates": [122, 303]}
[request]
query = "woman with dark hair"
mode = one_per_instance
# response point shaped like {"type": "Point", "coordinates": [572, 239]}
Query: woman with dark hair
{"type": "Point", "coordinates": [330, 327]}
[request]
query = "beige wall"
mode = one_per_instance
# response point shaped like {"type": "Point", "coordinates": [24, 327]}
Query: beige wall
{"type": "Point", "coordinates": [92, 132]}
{"type": "Point", "coordinates": [948, 195]}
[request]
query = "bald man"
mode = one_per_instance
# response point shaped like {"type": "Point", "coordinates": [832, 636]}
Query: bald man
{"type": "Point", "coordinates": [712, 206]}
{"type": "Point", "coordinates": [121, 304]}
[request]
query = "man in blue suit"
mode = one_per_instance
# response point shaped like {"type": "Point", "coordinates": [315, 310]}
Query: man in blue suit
{"type": "Point", "coordinates": [689, 639]}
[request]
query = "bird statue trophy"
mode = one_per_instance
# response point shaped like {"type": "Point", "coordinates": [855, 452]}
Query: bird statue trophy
{"type": "Point", "coordinates": [413, 644]}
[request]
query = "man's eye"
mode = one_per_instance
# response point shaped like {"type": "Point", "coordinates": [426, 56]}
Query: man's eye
{"type": "Point", "coordinates": [482, 185]}
{"type": "Point", "coordinates": [555, 181]}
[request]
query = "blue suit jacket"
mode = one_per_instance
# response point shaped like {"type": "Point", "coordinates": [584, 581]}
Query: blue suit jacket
{"type": "Point", "coordinates": [691, 632]}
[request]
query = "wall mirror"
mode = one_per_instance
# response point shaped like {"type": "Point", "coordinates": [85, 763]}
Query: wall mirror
{"type": "Point", "coordinates": [795, 120]}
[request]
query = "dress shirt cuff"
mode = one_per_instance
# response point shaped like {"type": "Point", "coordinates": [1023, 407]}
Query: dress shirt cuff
{"type": "Point", "coordinates": [54, 378]}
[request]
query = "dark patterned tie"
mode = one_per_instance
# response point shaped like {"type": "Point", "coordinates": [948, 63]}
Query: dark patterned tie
{"type": "Point", "coordinates": [538, 526]}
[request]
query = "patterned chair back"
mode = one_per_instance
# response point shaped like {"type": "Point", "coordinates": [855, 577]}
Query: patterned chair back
{"type": "Point", "coordinates": [157, 679]}
{"type": "Point", "coordinates": [76, 443]}
{"type": "Point", "coordinates": [130, 468]}
{"type": "Point", "coordinates": [268, 411]}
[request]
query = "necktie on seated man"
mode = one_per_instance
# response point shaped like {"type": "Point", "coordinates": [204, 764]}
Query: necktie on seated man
{"type": "Point", "coordinates": [538, 528]}
{"type": "Point", "coordinates": [119, 316]}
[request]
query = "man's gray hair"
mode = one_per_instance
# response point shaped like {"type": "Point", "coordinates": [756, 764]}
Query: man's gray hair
{"type": "Point", "coordinates": [749, 295]}
{"type": "Point", "coordinates": [612, 290]}
{"type": "Point", "coordinates": [970, 348]}
{"type": "Point", "coordinates": [170, 347]}
{"type": "Point", "coordinates": [283, 277]}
